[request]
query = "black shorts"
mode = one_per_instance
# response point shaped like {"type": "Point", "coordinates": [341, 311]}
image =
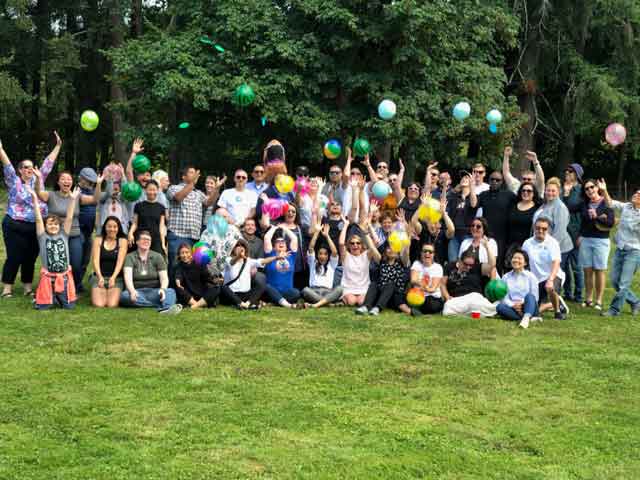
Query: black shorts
{"type": "Point", "coordinates": [542, 291]}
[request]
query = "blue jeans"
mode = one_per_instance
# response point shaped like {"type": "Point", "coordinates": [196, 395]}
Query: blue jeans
{"type": "Point", "coordinates": [530, 306]}
{"type": "Point", "coordinates": [572, 268]}
{"type": "Point", "coordinates": [148, 297]}
{"type": "Point", "coordinates": [174, 242]}
{"type": "Point", "coordinates": [76, 251]}
{"type": "Point", "coordinates": [454, 249]}
{"type": "Point", "coordinates": [624, 266]}
{"type": "Point", "coordinates": [291, 295]}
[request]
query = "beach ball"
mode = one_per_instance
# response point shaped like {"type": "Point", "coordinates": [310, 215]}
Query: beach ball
{"type": "Point", "coordinates": [198, 245]}
{"type": "Point", "coordinates": [361, 147]}
{"type": "Point", "coordinates": [380, 189]}
{"type": "Point", "coordinates": [89, 120]}
{"type": "Point", "coordinates": [202, 255]}
{"type": "Point", "coordinates": [494, 117]}
{"type": "Point", "coordinates": [284, 183]}
{"type": "Point", "coordinates": [332, 149]}
{"type": "Point", "coordinates": [131, 191]}
{"type": "Point", "coordinates": [493, 128]}
{"type": "Point", "coordinates": [461, 111]}
{"type": "Point", "coordinates": [415, 297]}
{"type": "Point", "coordinates": [398, 240]}
{"type": "Point", "coordinates": [244, 95]}
{"type": "Point", "coordinates": [615, 134]}
{"type": "Point", "coordinates": [496, 290]}
{"type": "Point", "coordinates": [141, 164]}
{"type": "Point", "coordinates": [387, 109]}
{"type": "Point", "coordinates": [430, 211]}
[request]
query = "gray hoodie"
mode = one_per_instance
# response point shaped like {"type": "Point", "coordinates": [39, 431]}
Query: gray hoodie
{"type": "Point", "coordinates": [558, 213]}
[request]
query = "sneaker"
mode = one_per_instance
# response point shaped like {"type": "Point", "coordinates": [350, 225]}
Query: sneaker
{"type": "Point", "coordinates": [415, 312]}
{"type": "Point", "coordinates": [609, 313]}
{"type": "Point", "coordinates": [560, 315]}
{"type": "Point", "coordinates": [598, 306]}
{"type": "Point", "coordinates": [524, 323]}
{"type": "Point", "coordinates": [536, 319]}
{"type": "Point", "coordinates": [172, 310]}
{"type": "Point", "coordinates": [635, 310]}
{"type": "Point", "coordinates": [374, 311]}
{"type": "Point", "coordinates": [563, 305]}
{"type": "Point", "coordinates": [362, 310]}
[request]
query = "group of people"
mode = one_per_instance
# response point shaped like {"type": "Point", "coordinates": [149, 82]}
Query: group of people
{"type": "Point", "coordinates": [328, 244]}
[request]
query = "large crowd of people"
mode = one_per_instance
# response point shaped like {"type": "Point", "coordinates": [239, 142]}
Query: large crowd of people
{"type": "Point", "coordinates": [330, 244]}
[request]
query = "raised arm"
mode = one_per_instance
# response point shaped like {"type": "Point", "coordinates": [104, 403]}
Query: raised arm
{"type": "Point", "coordinates": [373, 176]}
{"type": "Point", "coordinates": [372, 250]}
{"type": "Point", "coordinates": [180, 195]}
{"type": "Point", "coordinates": [4, 158]}
{"type": "Point", "coordinates": [397, 188]}
{"type": "Point", "coordinates": [97, 193]}
{"type": "Point", "coordinates": [38, 185]}
{"type": "Point", "coordinates": [68, 220]}
{"type": "Point", "coordinates": [488, 268]}
{"type": "Point", "coordinates": [36, 211]}
{"type": "Point", "coordinates": [342, 240]}
{"type": "Point", "coordinates": [293, 238]}
{"type": "Point", "coordinates": [473, 198]}
{"type": "Point", "coordinates": [332, 246]}
{"type": "Point", "coordinates": [136, 148]}
{"type": "Point", "coordinates": [540, 180]}
{"type": "Point", "coordinates": [314, 238]}
{"type": "Point", "coordinates": [427, 176]}
{"type": "Point", "coordinates": [214, 194]}
{"type": "Point", "coordinates": [50, 160]}
{"type": "Point", "coordinates": [268, 246]}
{"type": "Point", "coordinates": [509, 179]}
{"type": "Point", "coordinates": [346, 173]}
{"type": "Point", "coordinates": [355, 201]}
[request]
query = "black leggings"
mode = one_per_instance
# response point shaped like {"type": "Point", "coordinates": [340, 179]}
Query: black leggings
{"type": "Point", "coordinates": [382, 296]}
{"type": "Point", "coordinates": [22, 248]}
{"type": "Point", "coordinates": [210, 295]}
{"type": "Point", "coordinates": [431, 305]}
{"type": "Point", "coordinates": [258, 284]}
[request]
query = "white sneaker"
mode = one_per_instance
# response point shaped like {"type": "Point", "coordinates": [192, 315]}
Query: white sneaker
{"type": "Point", "coordinates": [536, 319]}
{"type": "Point", "coordinates": [174, 309]}
{"type": "Point", "coordinates": [374, 311]}
{"type": "Point", "coordinates": [362, 310]}
{"type": "Point", "coordinates": [524, 323]}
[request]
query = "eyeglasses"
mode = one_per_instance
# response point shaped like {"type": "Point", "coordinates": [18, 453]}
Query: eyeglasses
{"type": "Point", "coordinates": [427, 250]}
{"type": "Point", "coordinates": [145, 239]}
{"type": "Point", "coordinates": [27, 166]}
{"type": "Point", "coordinates": [494, 179]}
{"type": "Point", "coordinates": [479, 171]}
{"type": "Point", "coordinates": [589, 187]}
{"type": "Point", "coordinates": [477, 226]}
{"type": "Point", "coordinates": [382, 167]}
{"type": "Point", "coordinates": [541, 229]}
{"type": "Point", "coordinates": [355, 243]}
{"type": "Point", "coordinates": [434, 174]}
{"type": "Point", "coordinates": [527, 190]}
{"type": "Point", "coordinates": [258, 172]}
{"type": "Point", "coordinates": [335, 172]}
{"type": "Point", "coordinates": [241, 177]}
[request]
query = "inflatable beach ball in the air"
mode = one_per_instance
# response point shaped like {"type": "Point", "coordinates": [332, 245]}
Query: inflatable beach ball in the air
{"type": "Point", "coordinates": [387, 109]}
{"type": "Point", "coordinates": [89, 120]}
{"type": "Point", "coordinates": [332, 149]}
{"type": "Point", "coordinates": [244, 95]}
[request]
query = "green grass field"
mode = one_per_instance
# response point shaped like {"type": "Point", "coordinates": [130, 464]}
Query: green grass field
{"type": "Point", "coordinates": [123, 394]}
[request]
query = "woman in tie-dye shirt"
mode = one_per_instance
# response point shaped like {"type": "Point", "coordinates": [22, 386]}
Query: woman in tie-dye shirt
{"type": "Point", "coordinates": [18, 226]}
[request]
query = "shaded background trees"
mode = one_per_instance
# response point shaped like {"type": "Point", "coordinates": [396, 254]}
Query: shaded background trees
{"type": "Point", "coordinates": [560, 71]}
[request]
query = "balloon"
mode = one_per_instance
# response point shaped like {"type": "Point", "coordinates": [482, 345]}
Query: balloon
{"type": "Point", "coordinates": [141, 164]}
{"type": "Point", "coordinates": [131, 191]}
{"type": "Point", "coordinates": [221, 247]}
{"type": "Point", "coordinates": [380, 189]}
{"type": "Point", "coordinates": [430, 211]}
{"type": "Point", "coordinates": [398, 240]}
{"type": "Point", "coordinates": [496, 290]}
{"type": "Point", "coordinates": [244, 95]}
{"type": "Point", "coordinates": [217, 225]}
{"type": "Point", "coordinates": [361, 147]}
{"type": "Point", "coordinates": [387, 109]}
{"type": "Point", "coordinates": [184, 125]}
{"type": "Point", "coordinates": [302, 186]}
{"type": "Point", "coordinates": [494, 116]}
{"type": "Point", "coordinates": [493, 128]}
{"type": "Point", "coordinates": [615, 134]}
{"type": "Point", "coordinates": [197, 245]}
{"type": "Point", "coordinates": [415, 297]}
{"type": "Point", "coordinates": [332, 149]}
{"type": "Point", "coordinates": [202, 255]}
{"type": "Point", "coordinates": [284, 183]}
{"type": "Point", "coordinates": [89, 120]}
{"type": "Point", "coordinates": [461, 111]}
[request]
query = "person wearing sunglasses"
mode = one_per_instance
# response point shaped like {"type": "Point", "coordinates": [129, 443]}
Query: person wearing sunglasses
{"type": "Point", "coordinates": [494, 203]}
{"type": "Point", "coordinates": [462, 285]}
{"type": "Point", "coordinates": [426, 274]}
{"type": "Point", "coordinates": [259, 183]}
{"type": "Point", "coordinates": [573, 198]}
{"type": "Point", "coordinates": [238, 202]}
{"type": "Point", "coordinates": [597, 221]}
{"type": "Point", "coordinates": [19, 224]}
{"type": "Point", "coordinates": [536, 178]}
{"type": "Point", "coordinates": [480, 244]}
{"type": "Point", "coordinates": [544, 262]}
{"type": "Point", "coordinates": [626, 259]}
{"type": "Point", "coordinates": [436, 234]}
{"type": "Point", "coordinates": [520, 218]}
{"type": "Point", "coordinates": [479, 171]}
{"type": "Point", "coordinates": [462, 208]}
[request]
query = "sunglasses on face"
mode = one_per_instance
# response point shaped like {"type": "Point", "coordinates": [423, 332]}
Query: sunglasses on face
{"type": "Point", "coordinates": [427, 250]}
{"type": "Point", "coordinates": [476, 225]}
{"type": "Point", "coordinates": [527, 190]}
{"type": "Point", "coordinates": [355, 243]}
{"type": "Point", "coordinates": [241, 177]}
{"type": "Point", "coordinates": [258, 172]}
{"type": "Point", "coordinates": [334, 172]}
{"type": "Point", "coordinates": [480, 172]}
{"type": "Point", "coordinates": [382, 167]}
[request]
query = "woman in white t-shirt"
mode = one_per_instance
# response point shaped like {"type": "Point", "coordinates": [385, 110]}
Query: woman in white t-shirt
{"type": "Point", "coordinates": [426, 275]}
{"type": "Point", "coordinates": [479, 232]}
{"type": "Point", "coordinates": [322, 267]}
{"type": "Point", "coordinates": [241, 289]}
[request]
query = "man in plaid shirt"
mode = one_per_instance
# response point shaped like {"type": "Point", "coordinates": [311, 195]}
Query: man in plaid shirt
{"type": "Point", "coordinates": [185, 207]}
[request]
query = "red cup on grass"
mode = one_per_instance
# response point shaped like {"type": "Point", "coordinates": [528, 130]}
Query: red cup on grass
{"type": "Point", "coordinates": [475, 315]}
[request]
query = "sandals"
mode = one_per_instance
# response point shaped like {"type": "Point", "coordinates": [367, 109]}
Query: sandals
{"type": "Point", "coordinates": [598, 306]}
{"type": "Point", "coordinates": [587, 304]}
{"type": "Point", "coordinates": [7, 295]}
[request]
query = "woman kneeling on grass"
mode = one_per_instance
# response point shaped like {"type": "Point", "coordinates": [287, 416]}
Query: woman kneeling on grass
{"type": "Point", "coordinates": [56, 286]}
{"type": "Point", "coordinates": [195, 286]}
{"type": "Point", "coordinates": [355, 265]}
{"type": "Point", "coordinates": [322, 268]}
{"type": "Point", "coordinates": [108, 252]}
{"type": "Point", "coordinates": [521, 302]}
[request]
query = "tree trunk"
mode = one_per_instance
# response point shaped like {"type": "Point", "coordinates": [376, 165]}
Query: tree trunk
{"type": "Point", "coordinates": [117, 93]}
{"type": "Point", "coordinates": [42, 35]}
{"type": "Point", "coordinates": [136, 18]}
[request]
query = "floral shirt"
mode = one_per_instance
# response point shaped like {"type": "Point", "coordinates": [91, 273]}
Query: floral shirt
{"type": "Point", "coordinates": [20, 203]}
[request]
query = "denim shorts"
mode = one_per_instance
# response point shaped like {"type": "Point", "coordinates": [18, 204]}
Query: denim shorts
{"type": "Point", "coordinates": [594, 253]}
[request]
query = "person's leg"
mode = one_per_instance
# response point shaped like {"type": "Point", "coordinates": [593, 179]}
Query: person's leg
{"type": "Point", "coordinates": [507, 312]}
{"type": "Point", "coordinates": [170, 298]}
{"type": "Point", "coordinates": [337, 276]}
{"type": "Point", "coordinates": [601, 281]}
{"type": "Point", "coordinates": [32, 250]}
{"type": "Point", "coordinates": [229, 297]}
{"type": "Point", "coordinates": [333, 295]}
{"type": "Point", "coordinates": [274, 295]}
{"type": "Point", "coordinates": [623, 268]}
{"type": "Point", "coordinates": [431, 305]}
{"type": "Point", "coordinates": [113, 297]}
{"type": "Point", "coordinates": [258, 286]}
{"type": "Point", "coordinates": [578, 274]}
{"type": "Point", "coordinates": [75, 259]}
{"type": "Point", "coordinates": [146, 297]}
{"type": "Point", "coordinates": [600, 263]}
{"type": "Point", "coordinates": [99, 297]}
{"type": "Point", "coordinates": [565, 265]}
{"type": "Point", "coordinates": [371, 296]}
{"type": "Point", "coordinates": [586, 259]}
{"type": "Point", "coordinates": [313, 294]}
{"type": "Point", "coordinates": [530, 306]}
{"type": "Point", "coordinates": [453, 249]}
{"type": "Point", "coordinates": [14, 247]}
{"type": "Point", "coordinates": [385, 296]}
{"type": "Point", "coordinates": [87, 232]}
{"type": "Point", "coordinates": [588, 285]}
{"type": "Point", "coordinates": [292, 295]}
{"type": "Point", "coordinates": [63, 298]}
{"type": "Point", "coordinates": [211, 296]}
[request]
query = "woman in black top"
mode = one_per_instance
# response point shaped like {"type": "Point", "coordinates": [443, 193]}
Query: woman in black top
{"type": "Point", "coordinates": [194, 285]}
{"type": "Point", "coordinates": [462, 205]}
{"type": "Point", "coordinates": [150, 215]}
{"type": "Point", "coordinates": [521, 219]}
{"type": "Point", "coordinates": [411, 201]}
{"type": "Point", "coordinates": [108, 252]}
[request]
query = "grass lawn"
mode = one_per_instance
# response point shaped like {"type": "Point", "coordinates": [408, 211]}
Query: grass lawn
{"type": "Point", "coordinates": [128, 394]}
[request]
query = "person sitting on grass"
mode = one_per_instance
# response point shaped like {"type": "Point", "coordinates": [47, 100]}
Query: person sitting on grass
{"type": "Point", "coordinates": [195, 286]}
{"type": "Point", "coordinates": [544, 260]}
{"type": "Point", "coordinates": [280, 273]}
{"type": "Point", "coordinates": [56, 286]}
{"type": "Point", "coordinates": [356, 262]}
{"type": "Point", "coordinates": [426, 274]}
{"type": "Point", "coordinates": [322, 268]}
{"type": "Point", "coordinates": [462, 282]}
{"type": "Point", "coordinates": [108, 253]}
{"type": "Point", "coordinates": [242, 288]}
{"type": "Point", "coordinates": [146, 279]}
{"type": "Point", "coordinates": [521, 302]}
